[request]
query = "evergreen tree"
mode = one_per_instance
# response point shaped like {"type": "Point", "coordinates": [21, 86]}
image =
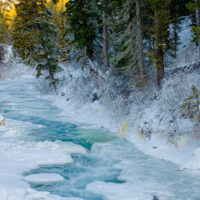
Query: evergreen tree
{"type": "Point", "coordinates": [59, 19]}
{"type": "Point", "coordinates": [83, 20]}
{"type": "Point", "coordinates": [105, 35]}
{"type": "Point", "coordinates": [35, 37]}
{"type": "Point", "coordinates": [161, 19]}
{"type": "Point", "coordinates": [89, 29]}
{"type": "Point", "coordinates": [107, 10]}
{"type": "Point", "coordinates": [4, 31]}
{"type": "Point", "coordinates": [131, 57]}
{"type": "Point", "coordinates": [5, 19]}
{"type": "Point", "coordinates": [127, 57]}
{"type": "Point", "coordinates": [194, 6]}
{"type": "Point", "coordinates": [139, 39]}
{"type": "Point", "coordinates": [178, 10]}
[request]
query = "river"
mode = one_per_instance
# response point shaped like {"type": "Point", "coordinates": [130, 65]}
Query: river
{"type": "Point", "coordinates": [112, 168]}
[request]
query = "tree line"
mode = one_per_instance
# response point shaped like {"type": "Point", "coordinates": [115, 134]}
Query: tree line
{"type": "Point", "coordinates": [123, 36]}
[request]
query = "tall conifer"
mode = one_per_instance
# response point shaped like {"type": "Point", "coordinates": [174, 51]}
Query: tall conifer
{"type": "Point", "coordinates": [35, 37]}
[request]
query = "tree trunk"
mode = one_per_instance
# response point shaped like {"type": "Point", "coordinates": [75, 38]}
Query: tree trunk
{"type": "Point", "coordinates": [175, 37]}
{"type": "Point", "coordinates": [53, 83]}
{"type": "Point", "coordinates": [159, 65]}
{"type": "Point", "coordinates": [197, 14]}
{"type": "Point", "coordinates": [159, 52]}
{"type": "Point", "coordinates": [140, 40]}
{"type": "Point", "coordinates": [105, 43]}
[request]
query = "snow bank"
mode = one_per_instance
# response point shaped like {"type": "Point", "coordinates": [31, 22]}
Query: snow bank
{"type": "Point", "coordinates": [160, 129]}
{"type": "Point", "coordinates": [94, 114]}
{"type": "Point", "coordinates": [154, 125]}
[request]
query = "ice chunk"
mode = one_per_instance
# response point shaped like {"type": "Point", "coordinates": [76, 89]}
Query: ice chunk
{"type": "Point", "coordinates": [44, 178]}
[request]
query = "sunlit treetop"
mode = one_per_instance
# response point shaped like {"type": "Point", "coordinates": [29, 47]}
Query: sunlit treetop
{"type": "Point", "coordinates": [7, 9]}
{"type": "Point", "coordinates": [60, 6]}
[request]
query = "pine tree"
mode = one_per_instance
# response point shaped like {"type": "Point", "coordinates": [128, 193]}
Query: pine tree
{"type": "Point", "coordinates": [35, 37]}
{"type": "Point", "coordinates": [105, 37]}
{"type": "Point", "coordinates": [178, 10]}
{"type": "Point", "coordinates": [131, 57]}
{"type": "Point", "coordinates": [108, 10]}
{"type": "Point", "coordinates": [161, 19]}
{"type": "Point", "coordinates": [3, 30]}
{"type": "Point", "coordinates": [194, 6]}
{"type": "Point", "coordinates": [82, 26]}
{"type": "Point", "coordinates": [139, 39]}
{"type": "Point", "coordinates": [59, 19]}
{"type": "Point", "coordinates": [5, 19]}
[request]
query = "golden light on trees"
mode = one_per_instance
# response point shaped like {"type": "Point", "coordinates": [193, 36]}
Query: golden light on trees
{"type": "Point", "coordinates": [10, 11]}
{"type": "Point", "coordinates": [61, 4]}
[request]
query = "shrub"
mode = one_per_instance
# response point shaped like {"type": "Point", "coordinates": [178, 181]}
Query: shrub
{"type": "Point", "coordinates": [190, 105]}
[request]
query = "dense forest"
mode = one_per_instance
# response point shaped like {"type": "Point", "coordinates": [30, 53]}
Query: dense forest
{"type": "Point", "coordinates": [125, 46]}
{"type": "Point", "coordinates": [122, 36]}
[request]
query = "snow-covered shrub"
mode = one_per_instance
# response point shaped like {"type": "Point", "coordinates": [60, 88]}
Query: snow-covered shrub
{"type": "Point", "coordinates": [191, 104]}
{"type": "Point", "coordinates": [163, 115]}
{"type": "Point", "coordinates": [187, 52]}
{"type": "Point", "coordinates": [13, 68]}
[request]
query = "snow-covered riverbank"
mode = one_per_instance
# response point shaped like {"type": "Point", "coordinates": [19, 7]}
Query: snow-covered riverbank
{"type": "Point", "coordinates": [151, 119]}
{"type": "Point", "coordinates": [183, 150]}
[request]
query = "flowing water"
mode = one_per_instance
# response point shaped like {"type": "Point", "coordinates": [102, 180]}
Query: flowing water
{"type": "Point", "coordinates": [113, 169]}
